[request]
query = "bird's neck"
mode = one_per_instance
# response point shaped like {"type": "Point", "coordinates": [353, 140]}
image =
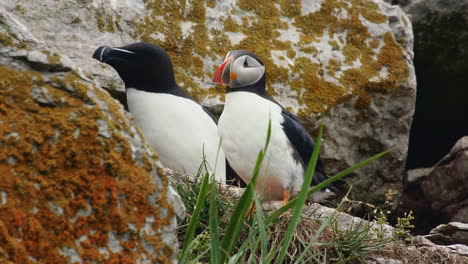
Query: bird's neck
{"type": "Point", "coordinates": [256, 88]}
{"type": "Point", "coordinates": [153, 87]}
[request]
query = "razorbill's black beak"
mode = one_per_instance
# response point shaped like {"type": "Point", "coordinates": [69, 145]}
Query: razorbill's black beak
{"type": "Point", "coordinates": [106, 54]}
{"type": "Point", "coordinates": [101, 53]}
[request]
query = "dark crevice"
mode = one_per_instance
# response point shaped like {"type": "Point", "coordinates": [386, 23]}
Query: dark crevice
{"type": "Point", "coordinates": [441, 63]}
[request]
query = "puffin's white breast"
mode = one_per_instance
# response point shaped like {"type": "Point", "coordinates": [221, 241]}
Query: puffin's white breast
{"type": "Point", "coordinates": [178, 129]}
{"type": "Point", "coordinates": [243, 127]}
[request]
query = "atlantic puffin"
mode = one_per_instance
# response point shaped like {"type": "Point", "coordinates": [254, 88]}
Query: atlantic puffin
{"type": "Point", "coordinates": [243, 127]}
{"type": "Point", "coordinates": [181, 131]}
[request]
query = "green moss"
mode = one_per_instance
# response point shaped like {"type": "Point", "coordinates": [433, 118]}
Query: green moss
{"type": "Point", "coordinates": [20, 9]}
{"type": "Point", "coordinates": [6, 39]}
{"type": "Point", "coordinates": [52, 57]}
{"type": "Point", "coordinates": [231, 25]}
{"type": "Point", "coordinates": [105, 23]}
{"type": "Point", "coordinates": [290, 8]}
{"type": "Point", "coordinates": [76, 20]}
{"type": "Point", "coordinates": [110, 24]}
{"type": "Point", "coordinates": [211, 3]}
{"type": "Point", "coordinates": [100, 23]}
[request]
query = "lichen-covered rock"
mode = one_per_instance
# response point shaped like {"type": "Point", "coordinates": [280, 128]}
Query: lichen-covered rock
{"type": "Point", "coordinates": [346, 64]}
{"type": "Point", "coordinates": [78, 183]}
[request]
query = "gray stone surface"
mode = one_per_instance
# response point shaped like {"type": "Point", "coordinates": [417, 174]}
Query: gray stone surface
{"type": "Point", "coordinates": [447, 186]}
{"type": "Point", "coordinates": [421, 8]}
{"type": "Point", "coordinates": [346, 222]}
{"type": "Point", "coordinates": [449, 234]}
{"type": "Point", "coordinates": [354, 75]}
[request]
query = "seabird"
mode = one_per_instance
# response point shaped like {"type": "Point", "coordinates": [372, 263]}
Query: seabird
{"type": "Point", "coordinates": [243, 127]}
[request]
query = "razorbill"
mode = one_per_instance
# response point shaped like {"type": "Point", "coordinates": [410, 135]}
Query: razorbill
{"type": "Point", "coordinates": [243, 126]}
{"type": "Point", "coordinates": [174, 124]}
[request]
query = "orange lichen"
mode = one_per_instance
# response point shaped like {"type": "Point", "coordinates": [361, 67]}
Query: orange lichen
{"type": "Point", "coordinates": [64, 182]}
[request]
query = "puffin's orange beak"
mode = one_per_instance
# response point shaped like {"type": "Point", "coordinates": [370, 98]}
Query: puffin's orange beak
{"type": "Point", "coordinates": [219, 73]}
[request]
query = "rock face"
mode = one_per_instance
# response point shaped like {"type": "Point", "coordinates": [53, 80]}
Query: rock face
{"type": "Point", "coordinates": [440, 192]}
{"type": "Point", "coordinates": [446, 187]}
{"type": "Point", "coordinates": [451, 233]}
{"type": "Point", "coordinates": [78, 183]}
{"type": "Point", "coordinates": [440, 60]}
{"type": "Point", "coordinates": [347, 64]}
{"type": "Point", "coordinates": [420, 9]}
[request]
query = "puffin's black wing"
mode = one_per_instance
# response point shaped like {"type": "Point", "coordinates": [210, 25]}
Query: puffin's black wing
{"type": "Point", "coordinates": [304, 145]}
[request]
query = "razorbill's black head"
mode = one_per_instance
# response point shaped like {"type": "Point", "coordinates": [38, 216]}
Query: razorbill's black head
{"type": "Point", "coordinates": [142, 66]}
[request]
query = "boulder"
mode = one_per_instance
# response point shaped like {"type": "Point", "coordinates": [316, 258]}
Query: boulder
{"type": "Point", "coordinates": [438, 195]}
{"type": "Point", "coordinates": [347, 65]}
{"type": "Point", "coordinates": [449, 234]}
{"type": "Point", "coordinates": [446, 187]}
{"type": "Point", "coordinates": [79, 184]}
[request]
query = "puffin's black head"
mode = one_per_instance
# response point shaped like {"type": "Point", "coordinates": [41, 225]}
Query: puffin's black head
{"type": "Point", "coordinates": [240, 68]}
{"type": "Point", "coordinates": [140, 65]}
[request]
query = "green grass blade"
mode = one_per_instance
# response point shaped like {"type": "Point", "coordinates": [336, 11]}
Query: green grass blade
{"type": "Point", "coordinates": [273, 216]}
{"type": "Point", "coordinates": [236, 258]}
{"type": "Point", "coordinates": [237, 219]}
{"type": "Point", "coordinates": [190, 233]}
{"type": "Point", "coordinates": [236, 222]}
{"type": "Point", "coordinates": [262, 230]}
{"type": "Point", "coordinates": [213, 221]}
{"type": "Point", "coordinates": [301, 198]}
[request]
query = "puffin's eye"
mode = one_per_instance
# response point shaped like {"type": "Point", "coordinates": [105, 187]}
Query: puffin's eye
{"type": "Point", "coordinates": [246, 64]}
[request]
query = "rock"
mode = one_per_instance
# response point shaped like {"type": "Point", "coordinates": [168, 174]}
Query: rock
{"type": "Point", "coordinates": [385, 261]}
{"type": "Point", "coordinates": [315, 211]}
{"type": "Point", "coordinates": [447, 185]}
{"type": "Point", "coordinates": [438, 63]}
{"type": "Point", "coordinates": [417, 255]}
{"type": "Point", "coordinates": [449, 234]}
{"type": "Point", "coordinates": [462, 214]}
{"type": "Point", "coordinates": [346, 222]}
{"type": "Point", "coordinates": [346, 65]}
{"type": "Point", "coordinates": [419, 9]}
{"type": "Point", "coordinates": [79, 184]}
{"type": "Point", "coordinates": [417, 175]}
{"type": "Point", "coordinates": [421, 241]}
{"type": "Point", "coordinates": [437, 195]}
{"type": "Point", "coordinates": [459, 249]}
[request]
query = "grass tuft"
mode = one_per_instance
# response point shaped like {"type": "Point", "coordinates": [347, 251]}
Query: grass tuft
{"type": "Point", "coordinates": [217, 229]}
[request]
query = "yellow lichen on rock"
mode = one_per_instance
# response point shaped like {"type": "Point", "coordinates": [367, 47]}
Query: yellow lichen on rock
{"type": "Point", "coordinates": [69, 181]}
{"type": "Point", "coordinates": [323, 83]}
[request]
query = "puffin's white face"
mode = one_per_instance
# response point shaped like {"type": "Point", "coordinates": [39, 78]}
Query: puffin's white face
{"type": "Point", "coordinates": [240, 68]}
{"type": "Point", "coordinates": [246, 70]}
